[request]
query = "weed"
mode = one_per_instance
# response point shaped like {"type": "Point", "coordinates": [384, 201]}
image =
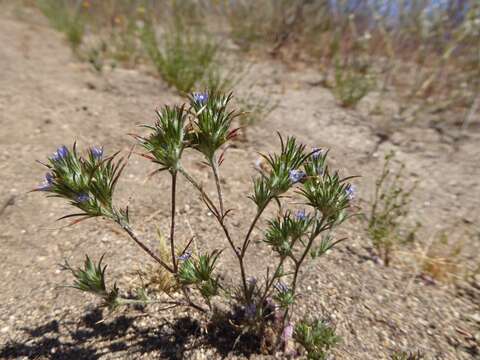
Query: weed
{"type": "Point", "coordinates": [389, 208]}
{"type": "Point", "coordinates": [64, 19]}
{"type": "Point", "coordinates": [351, 85]}
{"type": "Point", "coordinates": [184, 58]}
{"type": "Point", "coordinates": [316, 337]}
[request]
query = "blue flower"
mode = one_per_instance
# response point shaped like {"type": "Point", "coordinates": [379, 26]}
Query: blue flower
{"type": "Point", "coordinates": [300, 215]}
{"type": "Point", "coordinates": [97, 152]}
{"type": "Point", "coordinates": [317, 152]}
{"type": "Point", "coordinates": [185, 256]}
{"type": "Point", "coordinates": [250, 311]}
{"type": "Point", "coordinates": [200, 98]}
{"type": "Point", "coordinates": [82, 197]}
{"type": "Point", "coordinates": [281, 287]}
{"type": "Point", "coordinates": [47, 183]}
{"type": "Point", "coordinates": [61, 153]}
{"type": "Point", "coordinates": [351, 192]}
{"type": "Point", "coordinates": [296, 175]}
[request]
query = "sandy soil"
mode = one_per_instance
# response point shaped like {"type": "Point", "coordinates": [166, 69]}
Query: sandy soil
{"type": "Point", "coordinates": [47, 99]}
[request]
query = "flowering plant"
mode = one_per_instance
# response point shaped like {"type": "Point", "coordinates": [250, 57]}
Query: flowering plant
{"type": "Point", "coordinates": [204, 125]}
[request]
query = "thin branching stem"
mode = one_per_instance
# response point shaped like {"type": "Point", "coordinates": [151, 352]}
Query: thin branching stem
{"type": "Point", "coordinates": [269, 282]}
{"type": "Point", "coordinates": [211, 205]}
{"type": "Point", "coordinates": [220, 219]}
{"type": "Point", "coordinates": [245, 246]}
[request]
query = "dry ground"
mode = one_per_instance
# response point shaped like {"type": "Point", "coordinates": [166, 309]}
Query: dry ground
{"type": "Point", "coordinates": [47, 99]}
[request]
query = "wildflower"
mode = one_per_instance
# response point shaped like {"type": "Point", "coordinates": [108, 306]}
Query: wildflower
{"type": "Point", "coordinates": [250, 311]}
{"type": "Point", "coordinates": [200, 98]}
{"type": "Point", "coordinates": [351, 192]}
{"type": "Point", "coordinates": [82, 197]}
{"type": "Point", "coordinates": [317, 152]}
{"type": "Point", "coordinates": [252, 280]}
{"type": "Point", "coordinates": [281, 287]}
{"type": "Point", "coordinates": [185, 256]}
{"type": "Point", "coordinates": [47, 183]}
{"type": "Point", "coordinates": [296, 175]}
{"type": "Point", "coordinates": [287, 332]}
{"type": "Point", "coordinates": [300, 215]}
{"type": "Point", "coordinates": [61, 153]}
{"type": "Point", "coordinates": [97, 152]}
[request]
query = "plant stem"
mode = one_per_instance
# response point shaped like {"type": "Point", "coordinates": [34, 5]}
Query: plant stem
{"type": "Point", "coordinates": [214, 165]}
{"type": "Point", "coordinates": [269, 284]}
{"type": "Point", "coordinates": [205, 196]}
{"type": "Point", "coordinates": [245, 246]}
{"type": "Point", "coordinates": [190, 302]}
{"type": "Point", "coordinates": [172, 225]}
{"type": "Point", "coordinates": [211, 205]}
{"type": "Point", "coordinates": [220, 219]}
{"type": "Point", "coordinates": [130, 232]}
{"type": "Point", "coordinates": [123, 301]}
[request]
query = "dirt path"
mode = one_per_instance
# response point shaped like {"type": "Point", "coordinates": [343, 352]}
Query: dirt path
{"type": "Point", "coordinates": [47, 99]}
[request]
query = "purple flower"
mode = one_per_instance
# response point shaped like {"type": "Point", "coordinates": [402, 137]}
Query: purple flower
{"type": "Point", "coordinates": [351, 192]}
{"type": "Point", "coordinates": [287, 332]}
{"type": "Point", "coordinates": [47, 183]}
{"type": "Point", "coordinates": [300, 215]}
{"type": "Point", "coordinates": [250, 311]}
{"type": "Point", "coordinates": [200, 98]}
{"type": "Point", "coordinates": [252, 281]}
{"type": "Point", "coordinates": [317, 152]}
{"type": "Point", "coordinates": [97, 152]}
{"type": "Point", "coordinates": [281, 287]}
{"type": "Point", "coordinates": [61, 153]}
{"type": "Point", "coordinates": [185, 256]}
{"type": "Point", "coordinates": [296, 175]}
{"type": "Point", "coordinates": [82, 197]}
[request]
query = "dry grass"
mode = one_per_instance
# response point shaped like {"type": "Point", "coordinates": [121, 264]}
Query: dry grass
{"type": "Point", "coordinates": [155, 277]}
{"type": "Point", "coordinates": [442, 259]}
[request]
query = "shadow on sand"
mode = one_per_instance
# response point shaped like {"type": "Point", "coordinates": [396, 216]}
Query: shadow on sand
{"type": "Point", "coordinates": [91, 339]}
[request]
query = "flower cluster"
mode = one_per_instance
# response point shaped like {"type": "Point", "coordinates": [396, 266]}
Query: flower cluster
{"type": "Point", "coordinates": [88, 182]}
